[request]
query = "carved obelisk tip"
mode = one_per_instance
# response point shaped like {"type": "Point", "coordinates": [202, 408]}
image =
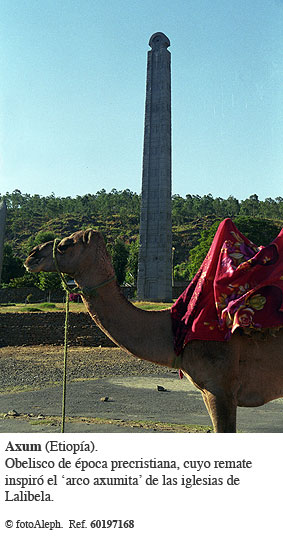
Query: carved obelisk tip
{"type": "Point", "coordinates": [159, 40]}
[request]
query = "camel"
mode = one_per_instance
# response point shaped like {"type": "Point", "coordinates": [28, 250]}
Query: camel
{"type": "Point", "coordinates": [245, 371]}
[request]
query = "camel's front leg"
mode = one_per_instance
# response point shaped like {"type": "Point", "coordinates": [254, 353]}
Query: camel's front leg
{"type": "Point", "coordinates": [213, 367]}
{"type": "Point", "coordinates": [222, 410]}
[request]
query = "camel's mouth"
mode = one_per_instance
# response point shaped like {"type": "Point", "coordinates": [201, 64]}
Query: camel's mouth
{"type": "Point", "coordinates": [32, 264]}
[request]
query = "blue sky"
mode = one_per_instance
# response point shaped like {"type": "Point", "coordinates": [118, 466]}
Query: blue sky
{"type": "Point", "coordinates": [73, 90]}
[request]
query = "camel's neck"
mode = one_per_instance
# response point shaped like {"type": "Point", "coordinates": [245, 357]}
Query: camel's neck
{"type": "Point", "coordinates": [145, 334]}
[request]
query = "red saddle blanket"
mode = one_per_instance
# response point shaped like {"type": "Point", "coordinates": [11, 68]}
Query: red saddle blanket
{"type": "Point", "coordinates": [238, 285]}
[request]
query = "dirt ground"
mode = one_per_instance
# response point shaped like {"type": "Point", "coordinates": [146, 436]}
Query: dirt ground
{"type": "Point", "coordinates": [31, 394]}
{"type": "Point", "coordinates": [40, 366]}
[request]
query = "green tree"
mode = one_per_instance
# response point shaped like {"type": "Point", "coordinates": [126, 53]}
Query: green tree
{"type": "Point", "coordinates": [44, 237]}
{"type": "Point", "coordinates": [12, 265]}
{"type": "Point", "coordinates": [48, 281]}
{"type": "Point", "coordinates": [250, 206]}
{"type": "Point", "coordinates": [38, 239]}
{"type": "Point", "coordinates": [119, 253]}
{"type": "Point", "coordinates": [27, 280]}
{"type": "Point", "coordinates": [182, 272]}
{"type": "Point", "coordinates": [199, 252]}
{"type": "Point", "coordinates": [132, 263]}
{"type": "Point", "coordinates": [231, 207]}
{"type": "Point", "coordinates": [206, 205]}
{"type": "Point", "coordinates": [178, 210]}
{"type": "Point", "coordinates": [259, 231]}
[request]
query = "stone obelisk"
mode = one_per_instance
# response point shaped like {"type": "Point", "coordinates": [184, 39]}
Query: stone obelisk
{"type": "Point", "coordinates": [3, 211]}
{"type": "Point", "coordinates": [155, 255]}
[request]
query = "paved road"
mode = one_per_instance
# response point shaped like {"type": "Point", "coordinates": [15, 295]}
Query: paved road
{"type": "Point", "coordinates": [129, 398]}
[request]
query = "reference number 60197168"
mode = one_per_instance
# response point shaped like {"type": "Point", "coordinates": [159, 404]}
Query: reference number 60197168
{"type": "Point", "coordinates": [112, 524]}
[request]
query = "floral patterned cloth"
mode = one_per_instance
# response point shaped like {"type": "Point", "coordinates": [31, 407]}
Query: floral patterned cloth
{"type": "Point", "coordinates": [238, 285]}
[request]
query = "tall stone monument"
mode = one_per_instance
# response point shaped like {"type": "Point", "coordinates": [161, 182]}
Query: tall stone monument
{"type": "Point", "coordinates": [3, 211]}
{"type": "Point", "coordinates": [155, 255]}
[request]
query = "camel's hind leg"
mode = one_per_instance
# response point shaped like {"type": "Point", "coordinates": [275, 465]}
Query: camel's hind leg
{"type": "Point", "coordinates": [222, 411]}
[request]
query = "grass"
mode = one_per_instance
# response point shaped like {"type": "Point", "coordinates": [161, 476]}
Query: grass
{"type": "Point", "coordinates": [74, 307]}
{"type": "Point", "coordinates": [40, 307]}
{"type": "Point", "coordinates": [152, 425]}
{"type": "Point", "coordinates": [152, 306]}
{"type": "Point", "coordinates": [18, 389]}
{"type": "Point", "coordinates": [29, 309]}
{"type": "Point", "coordinates": [47, 305]}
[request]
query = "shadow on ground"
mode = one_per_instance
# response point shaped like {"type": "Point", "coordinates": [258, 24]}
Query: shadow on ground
{"type": "Point", "coordinates": [124, 404]}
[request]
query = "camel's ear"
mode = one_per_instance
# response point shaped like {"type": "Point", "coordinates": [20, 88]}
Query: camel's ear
{"type": "Point", "coordinates": [90, 235]}
{"type": "Point", "coordinates": [87, 236]}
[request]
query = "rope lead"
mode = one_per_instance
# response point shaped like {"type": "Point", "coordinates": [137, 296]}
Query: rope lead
{"type": "Point", "coordinates": [66, 288]}
{"type": "Point", "coordinates": [65, 363]}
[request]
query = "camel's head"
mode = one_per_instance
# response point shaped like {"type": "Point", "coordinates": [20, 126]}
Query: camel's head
{"type": "Point", "coordinates": [78, 253]}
